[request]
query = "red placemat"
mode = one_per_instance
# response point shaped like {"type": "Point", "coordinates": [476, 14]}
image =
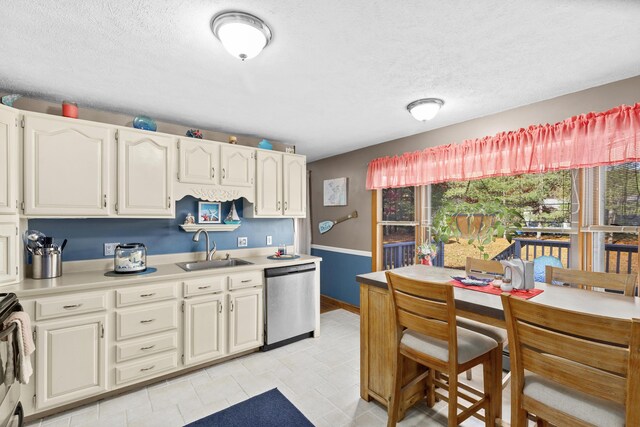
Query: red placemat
{"type": "Point", "coordinates": [490, 289]}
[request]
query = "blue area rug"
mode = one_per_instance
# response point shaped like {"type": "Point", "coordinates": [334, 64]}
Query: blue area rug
{"type": "Point", "coordinates": [270, 409]}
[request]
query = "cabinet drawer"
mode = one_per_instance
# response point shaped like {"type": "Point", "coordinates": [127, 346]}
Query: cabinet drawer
{"type": "Point", "coordinates": [245, 280]}
{"type": "Point", "coordinates": [151, 293]}
{"type": "Point", "coordinates": [146, 368]}
{"type": "Point", "coordinates": [208, 285]}
{"type": "Point", "coordinates": [50, 308]}
{"type": "Point", "coordinates": [143, 321]}
{"type": "Point", "coordinates": [146, 346]}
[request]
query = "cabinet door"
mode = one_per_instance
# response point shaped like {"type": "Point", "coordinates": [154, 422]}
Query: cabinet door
{"type": "Point", "coordinates": [199, 161]}
{"type": "Point", "coordinates": [204, 329]}
{"type": "Point", "coordinates": [268, 183]}
{"type": "Point", "coordinates": [8, 160]}
{"type": "Point", "coordinates": [295, 185]}
{"type": "Point", "coordinates": [245, 320]}
{"type": "Point", "coordinates": [65, 167]}
{"type": "Point", "coordinates": [145, 174]}
{"type": "Point", "coordinates": [238, 167]}
{"type": "Point", "coordinates": [70, 360]}
{"type": "Point", "coordinates": [8, 250]}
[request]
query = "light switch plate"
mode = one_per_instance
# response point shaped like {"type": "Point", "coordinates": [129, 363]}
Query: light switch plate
{"type": "Point", "coordinates": [269, 240]}
{"type": "Point", "coordinates": [110, 248]}
{"type": "Point", "coordinates": [243, 242]}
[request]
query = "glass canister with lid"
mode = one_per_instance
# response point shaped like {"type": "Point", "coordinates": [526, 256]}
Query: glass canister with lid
{"type": "Point", "coordinates": [130, 258]}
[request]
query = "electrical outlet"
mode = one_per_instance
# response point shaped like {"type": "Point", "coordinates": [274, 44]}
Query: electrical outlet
{"type": "Point", "coordinates": [269, 240]}
{"type": "Point", "coordinates": [243, 242]}
{"type": "Point", "coordinates": [110, 248]}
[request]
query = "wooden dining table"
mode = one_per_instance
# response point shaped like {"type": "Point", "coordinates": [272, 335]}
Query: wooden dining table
{"type": "Point", "coordinates": [377, 337]}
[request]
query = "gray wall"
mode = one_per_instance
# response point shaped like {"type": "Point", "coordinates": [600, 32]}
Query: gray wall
{"type": "Point", "coordinates": [356, 233]}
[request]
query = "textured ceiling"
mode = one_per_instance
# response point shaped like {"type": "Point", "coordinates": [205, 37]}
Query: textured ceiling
{"type": "Point", "coordinates": [337, 75]}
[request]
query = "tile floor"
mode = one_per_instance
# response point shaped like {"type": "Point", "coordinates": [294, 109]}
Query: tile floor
{"type": "Point", "coordinates": [319, 376]}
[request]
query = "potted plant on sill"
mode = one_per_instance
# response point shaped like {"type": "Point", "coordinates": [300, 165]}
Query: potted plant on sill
{"type": "Point", "coordinates": [480, 223]}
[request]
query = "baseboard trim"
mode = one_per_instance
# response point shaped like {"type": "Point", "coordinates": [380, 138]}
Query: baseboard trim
{"type": "Point", "coordinates": [341, 304]}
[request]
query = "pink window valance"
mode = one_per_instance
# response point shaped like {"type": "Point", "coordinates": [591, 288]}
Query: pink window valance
{"type": "Point", "coordinates": [588, 140]}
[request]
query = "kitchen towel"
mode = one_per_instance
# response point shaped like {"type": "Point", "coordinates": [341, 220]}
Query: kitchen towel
{"type": "Point", "coordinates": [26, 345]}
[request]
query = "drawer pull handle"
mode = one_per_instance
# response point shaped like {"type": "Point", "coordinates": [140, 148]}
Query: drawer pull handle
{"type": "Point", "coordinates": [147, 369]}
{"type": "Point", "coordinates": [247, 281]}
{"type": "Point", "coordinates": [147, 295]}
{"type": "Point", "coordinates": [71, 306]}
{"type": "Point", "coordinates": [147, 321]}
{"type": "Point", "coordinates": [204, 287]}
{"type": "Point", "coordinates": [149, 347]}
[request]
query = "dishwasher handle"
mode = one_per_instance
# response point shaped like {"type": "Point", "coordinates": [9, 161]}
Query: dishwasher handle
{"type": "Point", "coordinates": [292, 269]}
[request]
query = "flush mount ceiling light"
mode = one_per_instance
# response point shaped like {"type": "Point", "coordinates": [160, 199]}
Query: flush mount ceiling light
{"type": "Point", "coordinates": [425, 109]}
{"type": "Point", "coordinates": [242, 35]}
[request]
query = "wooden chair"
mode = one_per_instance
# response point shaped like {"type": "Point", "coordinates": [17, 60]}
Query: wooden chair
{"type": "Point", "coordinates": [484, 268]}
{"type": "Point", "coordinates": [570, 368]}
{"type": "Point", "coordinates": [589, 279]}
{"type": "Point", "coordinates": [431, 338]}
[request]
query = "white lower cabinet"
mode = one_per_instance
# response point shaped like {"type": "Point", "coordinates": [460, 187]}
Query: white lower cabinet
{"type": "Point", "coordinates": [245, 320]}
{"type": "Point", "coordinates": [88, 343]}
{"type": "Point", "coordinates": [70, 360]}
{"type": "Point", "coordinates": [204, 329]}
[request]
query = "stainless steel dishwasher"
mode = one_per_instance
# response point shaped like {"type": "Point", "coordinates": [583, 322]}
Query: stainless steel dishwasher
{"type": "Point", "coordinates": [290, 313]}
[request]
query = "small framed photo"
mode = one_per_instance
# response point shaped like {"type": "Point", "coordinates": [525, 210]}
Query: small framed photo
{"type": "Point", "coordinates": [335, 192]}
{"type": "Point", "coordinates": [209, 213]}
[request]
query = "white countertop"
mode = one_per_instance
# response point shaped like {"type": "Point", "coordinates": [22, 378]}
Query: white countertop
{"type": "Point", "coordinates": [94, 280]}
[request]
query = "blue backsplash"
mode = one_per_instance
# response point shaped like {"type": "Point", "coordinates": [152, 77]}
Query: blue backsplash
{"type": "Point", "coordinates": [86, 237]}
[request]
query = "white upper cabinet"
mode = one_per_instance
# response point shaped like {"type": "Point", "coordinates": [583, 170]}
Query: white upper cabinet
{"type": "Point", "coordinates": [281, 186]}
{"type": "Point", "coordinates": [269, 183]}
{"type": "Point", "coordinates": [145, 174]}
{"type": "Point", "coordinates": [295, 185]}
{"type": "Point", "coordinates": [8, 249]}
{"type": "Point", "coordinates": [238, 165]}
{"type": "Point", "coordinates": [66, 165]}
{"type": "Point", "coordinates": [199, 161]}
{"type": "Point", "coordinates": [8, 160]}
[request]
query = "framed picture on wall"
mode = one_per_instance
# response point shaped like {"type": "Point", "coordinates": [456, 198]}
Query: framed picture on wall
{"type": "Point", "coordinates": [209, 213]}
{"type": "Point", "coordinates": [335, 192]}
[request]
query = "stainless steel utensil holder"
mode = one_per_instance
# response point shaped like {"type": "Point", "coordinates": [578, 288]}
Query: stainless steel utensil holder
{"type": "Point", "coordinates": [47, 266]}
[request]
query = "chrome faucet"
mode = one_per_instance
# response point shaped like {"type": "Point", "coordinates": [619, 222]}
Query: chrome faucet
{"type": "Point", "coordinates": [196, 238]}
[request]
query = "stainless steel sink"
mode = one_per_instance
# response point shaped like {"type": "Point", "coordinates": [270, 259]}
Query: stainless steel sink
{"type": "Point", "coordinates": [215, 263]}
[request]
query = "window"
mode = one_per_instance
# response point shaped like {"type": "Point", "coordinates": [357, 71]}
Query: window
{"type": "Point", "coordinates": [398, 226]}
{"type": "Point", "coordinates": [543, 203]}
{"type": "Point", "coordinates": [612, 220]}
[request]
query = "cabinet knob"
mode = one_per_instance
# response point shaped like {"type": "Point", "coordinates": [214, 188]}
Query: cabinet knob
{"type": "Point", "coordinates": [231, 309]}
{"type": "Point", "coordinates": [105, 201]}
{"type": "Point", "coordinates": [147, 295]}
{"type": "Point", "coordinates": [71, 307]}
{"type": "Point", "coordinates": [213, 172]}
{"type": "Point", "coordinates": [147, 320]}
{"type": "Point", "coordinates": [223, 173]}
{"type": "Point", "coordinates": [204, 287]}
{"type": "Point", "coordinates": [149, 347]}
{"type": "Point", "coordinates": [278, 204]}
{"type": "Point", "coordinates": [147, 369]}
{"type": "Point", "coordinates": [169, 204]}
{"type": "Point", "coordinates": [286, 206]}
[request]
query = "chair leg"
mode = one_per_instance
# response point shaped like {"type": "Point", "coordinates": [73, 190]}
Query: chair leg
{"type": "Point", "coordinates": [490, 383]}
{"type": "Point", "coordinates": [453, 399]}
{"type": "Point", "coordinates": [541, 423]}
{"type": "Point", "coordinates": [496, 380]}
{"type": "Point", "coordinates": [396, 393]}
{"type": "Point", "coordinates": [518, 415]}
{"type": "Point", "coordinates": [469, 375]}
{"type": "Point", "coordinates": [431, 389]}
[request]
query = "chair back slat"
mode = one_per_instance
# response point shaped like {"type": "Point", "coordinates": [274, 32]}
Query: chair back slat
{"type": "Point", "coordinates": [625, 283]}
{"type": "Point", "coordinates": [483, 267]}
{"type": "Point", "coordinates": [592, 327]}
{"type": "Point", "coordinates": [430, 290]}
{"type": "Point", "coordinates": [421, 306]}
{"type": "Point", "coordinates": [430, 327]}
{"type": "Point", "coordinates": [610, 358]}
{"type": "Point", "coordinates": [586, 379]}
